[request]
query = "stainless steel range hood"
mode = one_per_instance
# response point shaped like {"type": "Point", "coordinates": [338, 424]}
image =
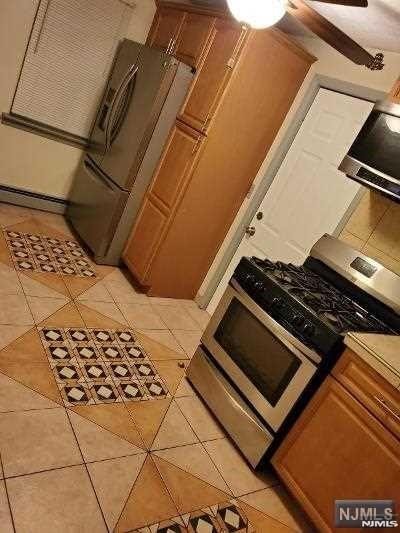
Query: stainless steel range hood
{"type": "Point", "coordinates": [374, 158]}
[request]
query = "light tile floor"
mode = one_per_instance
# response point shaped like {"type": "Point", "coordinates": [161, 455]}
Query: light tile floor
{"type": "Point", "coordinates": [99, 428]}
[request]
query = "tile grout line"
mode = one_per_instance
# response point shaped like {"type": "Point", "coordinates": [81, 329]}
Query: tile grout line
{"type": "Point", "coordinates": [87, 470]}
{"type": "Point", "coordinates": [130, 492]}
{"type": "Point", "coordinates": [167, 488]}
{"type": "Point", "coordinates": [71, 409]}
{"type": "Point", "coordinates": [43, 471]}
{"type": "Point", "coordinates": [183, 470]}
{"type": "Point", "coordinates": [7, 495]}
{"type": "Point", "coordinates": [205, 449]}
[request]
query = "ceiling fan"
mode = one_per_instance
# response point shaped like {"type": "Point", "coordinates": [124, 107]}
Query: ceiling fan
{"type": "Point", "coordinates": [264, 13]}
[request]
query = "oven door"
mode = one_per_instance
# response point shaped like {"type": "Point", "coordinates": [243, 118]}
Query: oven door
{"type": "Point", "coordinates": [267, 364]}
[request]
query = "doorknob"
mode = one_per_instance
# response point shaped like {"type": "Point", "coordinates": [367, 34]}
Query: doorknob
{"type": "Point", "coordinates": [250, 231]}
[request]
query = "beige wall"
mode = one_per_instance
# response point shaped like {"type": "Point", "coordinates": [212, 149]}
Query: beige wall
{"type": "Point", "coordinates": [28, 161]}
{"type": "Point", "coordinates": [141, 20]}
{"type": "Point", "coordinates": [332, 64]}
{"type": "Point", "coordinates": [373, 229]}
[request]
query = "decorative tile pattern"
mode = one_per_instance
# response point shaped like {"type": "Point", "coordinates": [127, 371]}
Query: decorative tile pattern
{"type": "Point", "coordinates": [97, 366]}
{"type": "Point", "coordinates": [40, 253]}
{"type": "Point", "coordinates": [224, 518]}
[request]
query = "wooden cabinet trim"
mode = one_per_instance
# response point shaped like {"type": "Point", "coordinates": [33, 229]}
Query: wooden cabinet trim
{"type": "Point", "coordinates": [202, 10]}
{"type": "Point", "coordinates": [376, 430]}
{"type": "Point", "coordinates": [370, 388]}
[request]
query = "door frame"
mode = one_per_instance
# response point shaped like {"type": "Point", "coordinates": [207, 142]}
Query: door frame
{"type": "Point", "coordinates": [317, 82]}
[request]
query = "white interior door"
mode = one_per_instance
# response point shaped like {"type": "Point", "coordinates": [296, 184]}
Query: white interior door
{"type": "Point", "coordinates": [309, 195]}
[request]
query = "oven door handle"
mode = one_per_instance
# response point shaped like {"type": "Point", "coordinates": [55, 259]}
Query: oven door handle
{"type": "Point", "coordinates": [279, 331]}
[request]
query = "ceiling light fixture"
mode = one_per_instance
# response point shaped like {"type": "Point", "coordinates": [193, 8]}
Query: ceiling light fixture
{"type": "Point", "coordinates": [257, 13]}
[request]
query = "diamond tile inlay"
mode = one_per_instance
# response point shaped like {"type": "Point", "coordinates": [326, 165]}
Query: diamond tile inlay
{"type": "Point", "coordinates": [225, 518]}
{"type": "Point", "coordinates": [40, 253]}
{"type": "Point", "coordinates": [95, 366]}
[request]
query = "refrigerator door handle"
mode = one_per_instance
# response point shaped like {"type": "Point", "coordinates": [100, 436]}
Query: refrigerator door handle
{"type": "Point", "coordinates": [123, 107]}
{"type": "Point", "coordinates": [131, 74]}
{"type": "Point", "coordinates": [92, 170]}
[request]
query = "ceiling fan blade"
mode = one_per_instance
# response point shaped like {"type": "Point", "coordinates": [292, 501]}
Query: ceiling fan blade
{"type": "Point", "coordinates": [351, 3]}
{"type": "Point", "coordinates": [330, 33]}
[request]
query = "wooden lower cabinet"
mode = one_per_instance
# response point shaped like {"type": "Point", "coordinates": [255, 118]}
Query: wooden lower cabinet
{"type": "Point", "coordinates": [161, 201]}
{"type": "Point", "coordinates": [338, 450]}
{"type": "Point", "coordinates": [139, 252]}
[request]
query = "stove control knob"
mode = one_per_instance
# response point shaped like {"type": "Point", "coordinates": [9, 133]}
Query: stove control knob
{"type": "Point", "coordinates": [308, 329]}
{"type": "Point", "coordinates": [259, 286]}
{"type": "Point", "coordinates": [298, 320]}
{"type": "Point", "coordinates": [276, 303]}
{"type": "Point", "coordinates": [249, 278]}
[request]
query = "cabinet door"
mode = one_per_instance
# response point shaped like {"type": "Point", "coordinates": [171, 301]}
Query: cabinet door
{"type": "Point", "coordinates": [193, 38]}
{"type": "Point", "coordinates": [165, 29]}
{"type": "Point", "coordinates": [144, 239]}
{"type": "Point", "coordinates": [338, 450]}
{"type": "Point", "coordinates": [175, 165]}
{"type": "Point", "coordinates": [168, 183]}
{"type": "Point", "coordinates": [213, 74]}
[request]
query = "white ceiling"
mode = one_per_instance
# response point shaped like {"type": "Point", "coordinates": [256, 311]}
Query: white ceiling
{"type": "Point", "coordinates": [377, 26]}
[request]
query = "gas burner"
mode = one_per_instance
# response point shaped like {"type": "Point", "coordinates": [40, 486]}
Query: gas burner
{"type": "Point", "coordinates": [329, 304]}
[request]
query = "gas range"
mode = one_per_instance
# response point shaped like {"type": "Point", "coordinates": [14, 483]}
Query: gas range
{"type": "Point", "coordinates": [313, 302]}
{"type": "Point", "coordinates": [277, 332]}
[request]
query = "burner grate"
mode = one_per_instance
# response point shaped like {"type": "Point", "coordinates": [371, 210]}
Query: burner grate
{"type": "Point", "coordinates": [326, 301]}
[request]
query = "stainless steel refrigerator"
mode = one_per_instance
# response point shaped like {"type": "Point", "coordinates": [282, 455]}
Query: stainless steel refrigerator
{"type": "Point", "coordinates": [145, 90]}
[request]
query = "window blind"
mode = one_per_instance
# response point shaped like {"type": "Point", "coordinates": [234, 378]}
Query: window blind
{"type": "Point", "coordinates": [68, 60]}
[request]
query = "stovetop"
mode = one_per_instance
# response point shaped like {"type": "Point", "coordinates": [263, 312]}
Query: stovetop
{"type": "Point", "coordinates": [328, 303]}
{"type": "Point", "coordinates": [306, 304]}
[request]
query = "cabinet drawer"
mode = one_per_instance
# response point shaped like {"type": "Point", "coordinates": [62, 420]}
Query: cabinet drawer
{"type": "Point", "coordinates": [370, 389]}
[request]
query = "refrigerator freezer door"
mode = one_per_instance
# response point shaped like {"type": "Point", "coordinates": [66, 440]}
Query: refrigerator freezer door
{"type": "Point", "coordinates": [135, 114]}
{"type": "Point", "coordinates": [166, 120]}
{"type": "Point", "coordinates": [96, 206]}
{"type": "Point", "coordinates": [126, 58]}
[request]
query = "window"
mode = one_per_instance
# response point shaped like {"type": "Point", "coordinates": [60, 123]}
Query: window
{"type": "Point", "coordinates": [67, 62]}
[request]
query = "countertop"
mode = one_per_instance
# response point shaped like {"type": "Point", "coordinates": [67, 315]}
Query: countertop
{"type": "Point", "coordinates": [382, 352]}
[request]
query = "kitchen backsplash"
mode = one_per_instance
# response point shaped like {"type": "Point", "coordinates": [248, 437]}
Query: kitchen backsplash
{"type": "Point", "coordinates": [374, 229]}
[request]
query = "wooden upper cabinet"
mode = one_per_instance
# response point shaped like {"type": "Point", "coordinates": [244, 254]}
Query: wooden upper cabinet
{"type": "Point", "coordinates": [165, 28]}
{"type": "Point", "coordinates": [213, 74]}
{"type": "Point", "coordinates": [338, 450]}
{"type": "Point", "coordinates": [193, 38]}
{"type": "Point", "coordinates": [395, 93]}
